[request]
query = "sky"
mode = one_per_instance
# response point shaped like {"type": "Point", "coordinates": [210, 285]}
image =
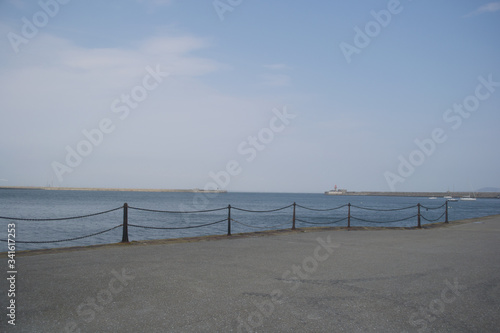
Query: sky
{"type": "Point", "coordinates": [258, 96]}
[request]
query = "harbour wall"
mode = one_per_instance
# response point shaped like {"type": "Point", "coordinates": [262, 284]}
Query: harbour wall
{"type": "Point", "coordinates": [456, 195]}
{"type": "Point", "coordinates": [109, 189]}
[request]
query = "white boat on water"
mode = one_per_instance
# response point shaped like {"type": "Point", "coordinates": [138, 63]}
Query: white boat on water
{"type": "Point", "coordinates": [448, 197]}
{"type": "Point", "coordinates": [432, 198]}
{"type": "Point", "coordinates": [468, 198]}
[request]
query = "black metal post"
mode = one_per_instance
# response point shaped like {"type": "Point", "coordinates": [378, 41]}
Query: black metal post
{"type": "Point", "coordinates": [125, 223]}
{"type": "Point", "coordinates": [349, 216]}
{"type": "Point", "coordinates": [446, 213]}
{"type": "Point", "coordinates": [419, 226]}
{"type": "Point", "coordinates": [293, 218]}
{"type": "Point", "coordinates": [229, 220]}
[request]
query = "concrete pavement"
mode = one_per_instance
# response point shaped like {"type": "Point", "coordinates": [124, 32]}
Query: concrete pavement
{"type": "Point", "coordinates": [444, 279]}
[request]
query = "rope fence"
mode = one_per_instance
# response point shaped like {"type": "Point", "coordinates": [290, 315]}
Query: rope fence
{"type": "Point", "coordinates": [383, 210]}
{"type": "Point", "coordinates": [320, 210]}
{"type": "Point", "coordinates": [176, 228]}
{"type": "Point", "coordinates": [390, 221]}
{"type": "Point", "coordinates": [324, 223]}
{"type": "Point", "coordinates": [65, 240]}
{"type": "Point", "coordinates": [333, 217]}
{"type": "Point", "coordinates": [59, 218]}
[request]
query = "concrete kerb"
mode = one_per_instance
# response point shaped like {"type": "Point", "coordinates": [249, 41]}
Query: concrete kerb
{"type": "Point", "coordinates": [438, 225]}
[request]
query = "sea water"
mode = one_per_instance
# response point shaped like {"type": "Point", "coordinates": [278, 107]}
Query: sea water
{"type": "Point", "coordinates": [311, 210]}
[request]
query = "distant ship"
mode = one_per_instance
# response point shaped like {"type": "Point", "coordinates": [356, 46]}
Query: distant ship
{"type": "Point", "coordinates": [199, 190]}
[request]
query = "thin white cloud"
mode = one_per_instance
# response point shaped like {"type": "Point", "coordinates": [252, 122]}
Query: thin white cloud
{"type": "Point", "coordinates": [173, 44]}
{"type": "Point", "coordinates": [174, 53]}
{"type": "Point", "coordinates": [487, 8]}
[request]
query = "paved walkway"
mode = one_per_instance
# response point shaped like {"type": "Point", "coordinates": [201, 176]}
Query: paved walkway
{"type": "Point", "coordinates": [431, 280]}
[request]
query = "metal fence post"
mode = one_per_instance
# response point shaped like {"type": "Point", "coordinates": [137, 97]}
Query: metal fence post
{"type": "Point", "coordinates": [125, 223]}
{"type": "Point", "coordinates": [293, 218]}
{"type": "Point", "coordinates": [229, 220]}
{"type": "Point", "coordinates": [446, 213]}
{"type": "Point", "coordinates": [349, 216]}
{"type": "Point", "coordinates": [419, 226]}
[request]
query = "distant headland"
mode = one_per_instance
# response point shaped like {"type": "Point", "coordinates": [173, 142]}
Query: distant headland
{"type": "Point", "coordinates": [196, 190]}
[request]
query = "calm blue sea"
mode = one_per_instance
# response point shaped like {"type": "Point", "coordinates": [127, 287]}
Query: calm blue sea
{"type": "Point", "coordinates": [40, 204]}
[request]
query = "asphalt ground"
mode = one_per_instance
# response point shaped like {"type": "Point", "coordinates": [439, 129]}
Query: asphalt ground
{"type": "Point", "coordinates": [440, 279]}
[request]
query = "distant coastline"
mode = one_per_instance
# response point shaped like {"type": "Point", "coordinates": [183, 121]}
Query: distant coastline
{"type": "Point", "coordinates": [196, 190]}
{"type": "Point", "coordinates": [456, 195]}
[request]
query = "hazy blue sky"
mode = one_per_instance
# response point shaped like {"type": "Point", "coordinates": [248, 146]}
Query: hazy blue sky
{"type": "Point", "coordinates": [281, 95]}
